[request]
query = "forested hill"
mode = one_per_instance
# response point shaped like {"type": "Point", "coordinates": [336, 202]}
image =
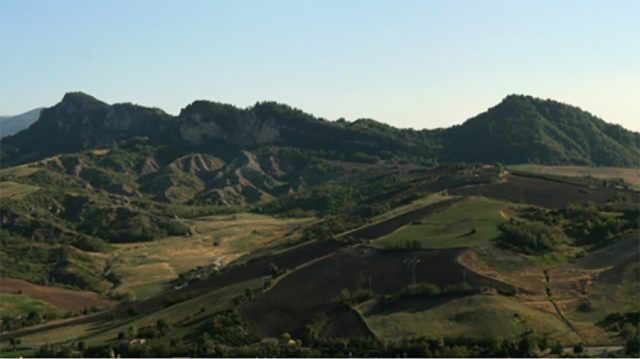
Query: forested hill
{"type": "Point", "coordinates": [524, 129]}
{"type": "Point", "coordinates": [519, 129]}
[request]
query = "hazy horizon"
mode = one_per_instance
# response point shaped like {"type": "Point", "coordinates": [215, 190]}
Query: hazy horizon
{"type": "Point", "coordinates": [414, 64]}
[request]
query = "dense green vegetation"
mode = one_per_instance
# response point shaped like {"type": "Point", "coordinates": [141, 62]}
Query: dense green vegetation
{"type": "Point", "coordinates": [523, 129]}
{"type": "Point", "coordinates": [528, 345]}
{"type": "Point", "coordinates": [587, 224]}
{"type": "Point", "coordinates": [590, 226]}
{"type": "Point", "coordinates": [518, 130]}
{"type": "Point", "coordinates": [584, 223]}
{"type": "Point", "coordinates": [530, 238]}
{"type": "Point", "coordinates": [627, 326]}
{"type": "Point", "coordinates": [19, 311]}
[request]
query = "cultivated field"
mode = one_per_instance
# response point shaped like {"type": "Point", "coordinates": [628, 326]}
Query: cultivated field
{"type": "Point", "coordinates": [295, 299]}
{"type": "Point", "coordinates": [468, 223]}
{"type": "Point", "coordinates": [629, 175]}
{"type": "Point", "coordinates": [147, 268]}
{"type": "Point", "coordinates": [64, 299]}
{"type": "Point", "coordinates": [544, 193]}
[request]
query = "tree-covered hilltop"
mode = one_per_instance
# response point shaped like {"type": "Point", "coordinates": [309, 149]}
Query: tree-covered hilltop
{"type": "Point", "coordinates": [518, 130]}
{"type": "Point", "coordinates": [525, 129]}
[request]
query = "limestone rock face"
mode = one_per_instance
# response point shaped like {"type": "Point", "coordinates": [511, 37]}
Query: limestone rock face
{"type": "Point", "coordinates": [204, 121]}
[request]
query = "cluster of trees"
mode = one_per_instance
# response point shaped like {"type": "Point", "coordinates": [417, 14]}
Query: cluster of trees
{"type": "Point", "coordinates": [590, 226]}
{"type": "Point", "coordinates": [527, 237]}
{"type": "Point", "coordinates": [159, 330]}
{"type": "Point", "coordinates": [526, 345]}
{"type": "Point", "coordinates": [351, 298]}
{"type": "Point", "coordinates": [49, 263]}
{"type": "Point", "coordinates": [124, 225]}
{"type": "Point", "coordinates": [33, 317]}
{"type": "Point", "coordinates": [194, 274]}
{"type": "Point", "coordinates": [523, 129]}
{"type": "Point", "coordinates": [228, 328]}
{"type": "Point", "coordinates": [427, 290]}
{"type": "Point", "coordinates": [627, 325]}
{"type": "Point", "coordinates": [587, 223]}
{"type": "Point", "coordinates": [343, 204]}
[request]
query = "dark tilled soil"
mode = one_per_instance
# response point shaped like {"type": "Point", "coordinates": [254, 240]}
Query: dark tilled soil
{"type": "Point", "coordinates": [315, 289]}
{"type": "Point", "coordinates": [65, 299]}
{"type": "Point", "coordinates": [345, 323]}
{"type": "Point", "coordinates": [543, 192]}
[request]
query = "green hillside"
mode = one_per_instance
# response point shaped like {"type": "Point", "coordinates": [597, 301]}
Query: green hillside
{"type": "Point", "coordinates": [524, 129]}
{"type": "Point", "coordinates": [469, 223]}
{"type": "Point", "coordinates": [520, 129]}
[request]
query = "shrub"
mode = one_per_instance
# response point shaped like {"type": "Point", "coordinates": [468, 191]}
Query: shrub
{"type": "Point", "coordinates": [585, 306]}
{"type": "Point", "coordinates": [529, 238]}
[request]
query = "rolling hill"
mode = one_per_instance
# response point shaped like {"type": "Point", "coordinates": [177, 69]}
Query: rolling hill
{"type": "Point", "coordinates": [221, 229]}
{"type": "Point", "coordinates": [520, 129]}
{"type": "Point", "coordinates": [523, 129]}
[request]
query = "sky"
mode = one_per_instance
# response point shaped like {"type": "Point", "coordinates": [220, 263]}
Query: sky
{"type": "Point", "coordinates": [419, 64]}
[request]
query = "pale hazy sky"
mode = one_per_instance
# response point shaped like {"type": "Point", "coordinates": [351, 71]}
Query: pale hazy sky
{"type": "Point", "coordinates": [421, 64]}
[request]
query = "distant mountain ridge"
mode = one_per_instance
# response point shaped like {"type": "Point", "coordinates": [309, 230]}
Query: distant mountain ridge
{"type": "Point", "coordinates": [10, 125]}
{"type": "Point", "coordinates": [519, 129]}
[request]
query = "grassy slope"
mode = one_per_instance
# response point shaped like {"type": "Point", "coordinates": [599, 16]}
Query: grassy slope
{"type": "Point", "coordinates": [146, 268]}
{"type": "Point", "coordinates": [18, 171]}
{"type": "Point", "coordinates": [473, 316]}
{"type": "Point", "coordinates": [185, 317]}
{"type": "Point", "coordinates": [9, 189]}
{"type": "Point", "coordinates": [572, 283]}
{"type": "Point", "coordinates": [451, 228]}
{"type": "Point", "coordinates": [19, 352]}
{"type": "Point", "coordinates": [421, 202]}
{"type": "Point", "coordinates": [12, 305]}
{"type": "Point", "coordinates": [620, 294]}
{"type": "Point", "coordinates": [53, 336]}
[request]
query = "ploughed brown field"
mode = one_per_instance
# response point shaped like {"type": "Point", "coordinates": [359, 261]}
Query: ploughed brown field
{"type": "Point", "coordinates": [65, 299]}
{"type": "Point", "coordinates": [544, 192]}
{"type": "Point", "coordinates": [316, 288]}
